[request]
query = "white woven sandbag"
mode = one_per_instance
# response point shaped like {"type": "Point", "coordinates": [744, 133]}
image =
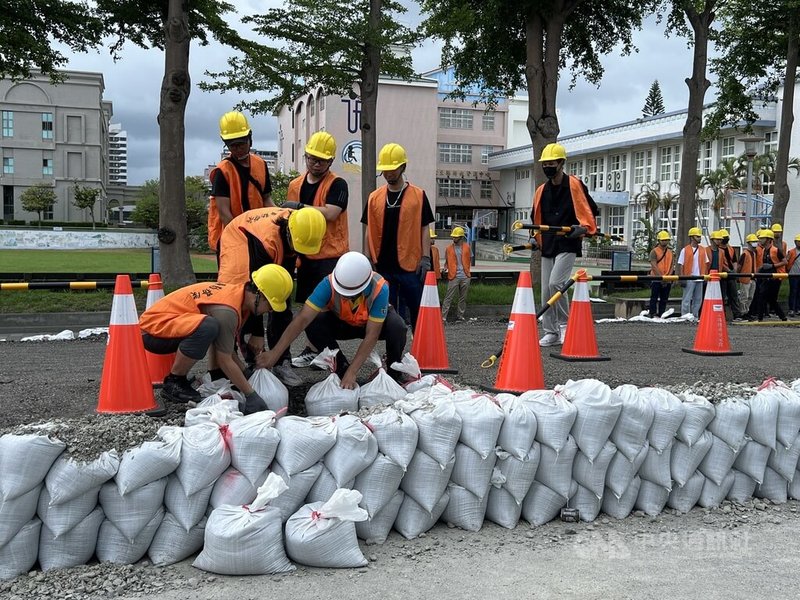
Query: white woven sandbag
{"type": "Point", "coordinates": [699, 413]}
{"type": "Point", "coordinates": [232, 487]}
{"type": "Point", "coordinates": [621, 471]}
{"type": "Point", "coordinates": [518, 475]}
{"type": "Point", "coordinates": [774, 487]}
{"type": "Point", "coordinates": [253, 442]}
{"type": "Point", "coordinates": [783, 460]}
{"type": "Point", "coordinates": [439, 428]}
{"type": "Point", "coordinates": [113, 546]}
{"type": "Point", "coordinates": [300, 485]}
{"type": "Point", "coordinates": [16, 513]}
{"type": "Point", "coordinates": [752, 460]}
{"type": "Point", "coordinates": [718, 461]}
{"type": "Point", "coordinates": [325, 486]}
{"type": "Point", "coordinates": [481, 420]}
{"type": "Point", "coordinates": [382, 389]}
{"type": "Point", "coordinates": [209, 387]}
{"type": "Point", "coordinates": [18, 555]}
{"type": "Point", "coordinates": [67, 479]}
{"type": "Point", "coordinates": [730, 422]}
{"type": "Point", "coordinates": [464, 510]}
{"type": "Point", "coordinates": [519, 426]}
{"type": "Point", "coordinates": [396, 433]}
{"type": "Point", "coordinates": [620, 507]}
{"type": "Point", "coordinates": [73, 548]}
{"type": "Point", "coordinates": [794, 487]}
{"type": "Point", "coordinates": [188, 510]}
{"type": "Point", "coordinates": [542, 504]}
{"type": "Point", "coordinates": [25, 461]}
{"type": "Point", "coordinates": [788, 424]}
{"type": "Point", "coordinates": [429, 388]}
{"type": "Point", "coordinates": [425, 479]}
{"type": "Point", "coordinates": [683, 498]}
{"type": "Point", "coordinates": [598, 410]}
{"type": "Point", "coordinates": [592, 475]}
{"type": "Point", "coordinates": [669, 413]}
{"type": "Point", "coordinates": [220, 412]}
{"type": "Point", "coordinates": [355, 449]}
{"type": "Point", "coordinates": [150, 461]}
{"type": "Point", "coordinates": [324, 534]}
{"type": "Point", "coordinates": [172, 543]}
{"type": "Point", "coordinates": [329, 398]}
{"type": "Point", "coordinates": [712, 494]}
{"type": "Point", "coordinates": [686, 459]}
{"type": "Point", "coordinates": [555, 469]}
{"type": "Point", "coordinates": [204, 456]}
{"type": "Point", "coordinates": [635, 420]}
{"type": "Point", "coordinates": [652, 498]}
{"type": "Point", "coordinates": [795, 385]}
{"type": "Point", "coordinates": [376, 529]}
{"type": "Point", "coordinates": [131, 513]}
{"type": "Point", "coordinates": [378, 484]}
{"type": "Point", "coordinates": [763, 423]}
{"type": "Point", "coordinates": [304, 442]}
{"type": "Point", "coordinates": [656, 467]}
{"type": "Point", "coordinates": [502, 508]}
{"type": "Point", "coordinates": [742, 487]}
{"type": "Point", "coordinates": [587, 502]}
{"type": "Point", "coordinates": [61, 518]}
{"type": "Point", "coordinates": [471, 471]}
{"type": "Point", "coordinates": [555, 416]}
{"type": "Point", "coordinates": [271, 389]}
{"type": "Point", "coordinates": [413, 520]}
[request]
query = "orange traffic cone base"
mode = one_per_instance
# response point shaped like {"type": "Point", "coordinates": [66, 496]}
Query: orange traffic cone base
{"type": "Point", "coordinates": [710, 353]}
{"type": "Point", "coordinates": [568, 358]}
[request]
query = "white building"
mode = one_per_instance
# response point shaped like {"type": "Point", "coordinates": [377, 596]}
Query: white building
{"type": "Point", "coordinates": [117, 155]}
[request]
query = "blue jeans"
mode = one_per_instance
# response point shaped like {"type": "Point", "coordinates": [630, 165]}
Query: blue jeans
{"type": "Point", "coordinates": [408, 286]}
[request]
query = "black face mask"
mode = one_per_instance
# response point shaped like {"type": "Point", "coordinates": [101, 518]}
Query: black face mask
{"type": "Point", "coordinates": [550, 172]}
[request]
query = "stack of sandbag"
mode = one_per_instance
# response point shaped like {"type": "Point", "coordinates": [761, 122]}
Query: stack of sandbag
{"type": "Point", "coordinates": [271, 390]}
{"type": "Point", "coordinates": [396, 434]}
{"type": "Point", "coordinates": [433, 385]}
{"type": "Point", "coordinates": [518, 455]}
{"type": "Point", "coordinates": [750, 465]}
{"type": "Point", "coordinates": [428, 473]}
{"type": "Point", "coordinates": [24, 463]}
{"type": "Point", "coordinates": [381, 389]}
{"type": "Point", "coordinates": [553, 485]}
{"type": "Point", "coordinates": [630, 438]}
{"type": "Point", "coordinates": [328, 397]}
{"type": "Point", "coordinates": [692, 442]}
{"type": "Point", "coordinates": [727, 428]}
{"type": "Point", "coordinates": [782, 461]}
{"type": "Point", "coordinates": [481, 421]}
{"type": "Point", "coordinates": [655, 472]}
{"type": "Point", "coordinates": [213, 408]}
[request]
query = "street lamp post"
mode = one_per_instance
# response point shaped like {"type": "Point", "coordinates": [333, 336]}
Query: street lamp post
{"type": "Point", "coordinates": [750, 152]}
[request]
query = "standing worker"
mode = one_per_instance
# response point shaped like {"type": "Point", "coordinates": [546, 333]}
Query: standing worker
{"type": "Point", "coordinates": [561, 201]}
{"type": "Point", "coordinates": [239, 182]}
{"type": "Point", "coordinates": [662, 262]}
{"type": "Point", "coordinates": [748, 263]}
{"type": "Point", "coordinates": [793, 268]}
{"type": "Point", "coordinates": [436, 259]}
{"type": "Point", "coordinates": [729, 286]}
{"type": "Point", "coordinates": [718, 260]}
{"type": "Point", "coordinates": [780, 244]}
{"type": "Point", "coordinates": [772, 261]}
{"type": "Point", "coordinates": [200, 316]}
{"type": "Point", "coordinates": [458, 259]}
{"type": "Point", "coordinates": [693, 260]}
{"type": "Point", "coordinates": [350, 303]}
{"type": "Point", "coordinates": [397, 217]}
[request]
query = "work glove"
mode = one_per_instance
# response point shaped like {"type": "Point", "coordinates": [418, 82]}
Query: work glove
{"type": "Point", "coordinates": [253, 403]}
{"type": "Point", "coordinates": [578, 231]}
{"type": "Point", "coordinates": [765, 268]}
{"type": "Point", "coordinates": [292, 204]}
{"type": "Point", "coordinates": [423, 267]}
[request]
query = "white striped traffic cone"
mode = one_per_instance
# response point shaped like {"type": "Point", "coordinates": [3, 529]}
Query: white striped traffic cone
{"type": "Point", "coordinates": [429, 346]}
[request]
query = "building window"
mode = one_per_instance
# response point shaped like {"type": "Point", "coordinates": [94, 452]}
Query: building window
{"type": "Point", "coordinates": [454, 188]}
{"type": "Point", "coordinates": [638, 211]}
{"type": "Point", "coordinates": [8, 123]}
{"type": "Point", "coordinates": [47, 213]}
{"type": "Point", "coordinates": [455, 118]}
{"type": "Point", "coordinates": [321, 103]}
{"type": "Point", "coordinates": [728, 148]}
{"type": "Point", "coordinates": [47, 126]}
{"type": "Point", "coordinates": [704, 162]}
{"type": "Point", "coordinates": [596, 174]}
{"type": "Point", "coordinates": [8, 202]}
{"type": "Point", "coordinates": [642, 167]}
{"type": "Point", "coordinates": [486, 190]}
{"type": "Point", "coordinates": [618, 176]}
{"type": "Point", "coordinates": [47, 166]}
{"type": "Point", "coordinates": [8, 165]}
{"type": "Point", "coordinates": [485, 152]}
{"type": "Point", "coordinates": [487, 122]}
{"type": "Point", "coordinates": [770, 142]}
{"type": "Point", "coordinates": [311, 107]}
{"type": "Point", "coordinates": [616, 220]}
{"type": "Point", "coordinates": [576, 169]}
{"type": "Point", "coordinates": [670, 164]}
{"type": "Point", "coordinates": [455, 153]}
{"type": "Point", "coordinates": [522, 174]}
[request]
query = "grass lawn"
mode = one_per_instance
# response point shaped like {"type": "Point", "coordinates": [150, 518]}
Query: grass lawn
{"type": "Point", "coordinates": [89, 261]}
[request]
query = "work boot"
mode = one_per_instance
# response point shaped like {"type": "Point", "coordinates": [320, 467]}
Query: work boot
{"type": "Point", "coordinates": [288, 377]}
{"type": "Point", "coordinates": [177, 389]}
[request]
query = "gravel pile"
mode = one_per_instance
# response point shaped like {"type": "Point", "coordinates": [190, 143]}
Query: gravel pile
{"type": "Point", "coordinates": [715, 392]}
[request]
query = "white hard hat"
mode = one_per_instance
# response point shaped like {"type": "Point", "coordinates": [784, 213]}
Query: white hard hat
{"type": "Point", "coordinates": [352, 274]}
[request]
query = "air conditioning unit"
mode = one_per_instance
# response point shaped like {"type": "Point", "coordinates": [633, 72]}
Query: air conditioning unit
{"type": "Point", "coordinates": [609, 187]}
{"type": "Point", "coordinates": [609, 178]}
{"type": "Point", "coordinates": [617, 186]}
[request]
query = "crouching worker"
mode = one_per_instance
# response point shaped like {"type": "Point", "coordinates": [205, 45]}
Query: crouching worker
{"type": "Point", "coordinates": [351, 303]}
{"type": "Point", "coordinates": [204, 316]}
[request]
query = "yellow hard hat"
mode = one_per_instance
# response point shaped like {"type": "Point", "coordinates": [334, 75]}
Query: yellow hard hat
{"type": "Point", "coordinates": [433, 234]}
{"type": "Point", "coordinates": [766, 233]}
{"type": "Point", "coordinates": [777, 228]}
{"type": "Point", "coordinates": [751, 237]}
{"type": "Point", "coordinates": [392, 156]}
{"type": "Point", "coordinates": [458, 232]}
{"type": "Point", "coordinates": [233, 125]}
{"type": "Point", "coordinates": [553, 152]}
{"type": "Point", "coordinates": [715, 235]}
{"type": "Point", "coordinates": [695, 231]}
{"type": "Point", "coordinates": [307, 227]}
{"type": "Point", "coordinates": [322, 145]}
{"type": "Point", "coordinates": [723, 233]}
{"type": "Point", "coordinates": [663, 235]}
{"type": "Point", "coordinates": [797, 238]}
{"type": "Point", "coordinates": [275, 283]}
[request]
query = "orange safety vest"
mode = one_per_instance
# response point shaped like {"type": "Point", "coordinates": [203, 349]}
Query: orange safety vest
{"type": "Point", "coordinates": [337, 237]}
{"type": "Point", "coordinates": [409, 238]}
{"type": "Point", "coordinates": [723, 257]}
{"type": "Point", "coordinates": [436, 262]}
{"type": "Point", "coordinates": [355, 313]}
{"type": "Point", "coordinates": [178, 314]}
{"type": "Point", "coordinates": [234, 256]}
{"type": "Point", "coordinates": [791, 257]}
{"type": "Point", "coordinates": [450, 259]}
{"type": "Point", "coordinates": [688, 258]}
{"type": "Point", "coordinates": [663, 264]}
{"type": "Point", "coordinates": [748, 262]}
{"type": "Point", "coordinates": [583, 212]}
{"type": "Point", "coordinates": [258, 173]}
{"type": "Point", "coordinates": [773, 256]}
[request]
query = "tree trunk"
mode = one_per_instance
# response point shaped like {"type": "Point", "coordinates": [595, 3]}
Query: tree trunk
{"type": "Point", "coordinates": [370, 72]}
{"type": "Point", "coordinates": [698, 84]}
{"type": "Point", "coordinates": [781, 197]}
{"type": "Point", "coordinates": [176, 264]}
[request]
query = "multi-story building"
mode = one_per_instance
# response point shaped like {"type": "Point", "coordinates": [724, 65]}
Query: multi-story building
{"type": "Point", "coordinates": [117, 155]}
{"type": "Point", "coordinates": [57, 135]}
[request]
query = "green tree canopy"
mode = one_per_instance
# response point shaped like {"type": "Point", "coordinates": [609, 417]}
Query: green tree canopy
{"type": "Point", "coordinates": [85, 198]}
{"type": "Point", "coordinates": [38, 198]}
{"type": "Point", "coordinates": [654, 103]}
{"type": "Point", "coordinates": [147, 204]}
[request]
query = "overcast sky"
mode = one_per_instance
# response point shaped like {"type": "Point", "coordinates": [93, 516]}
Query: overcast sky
{"type": "Point", "coordinates": [133, 86]}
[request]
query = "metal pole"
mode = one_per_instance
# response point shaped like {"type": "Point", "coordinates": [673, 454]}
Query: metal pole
{"type": "Point", "coordinates": [748, 210]}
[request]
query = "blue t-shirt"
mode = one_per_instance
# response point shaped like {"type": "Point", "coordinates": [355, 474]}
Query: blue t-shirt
{"type": "Point", "coordinates": [322, 294]}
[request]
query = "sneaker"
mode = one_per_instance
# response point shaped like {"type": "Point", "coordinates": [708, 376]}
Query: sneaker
{"type": "Point", "coordinates": [549, 339]}
{"type": "Point", "coordinates": [304, 359]}
{"type": "Point", "coordinates": [178, 389]}
{"type": "Point", "coordinates": [288, 377]}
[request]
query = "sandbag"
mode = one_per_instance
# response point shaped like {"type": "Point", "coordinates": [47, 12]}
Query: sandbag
{"type": "Point", "coordinates": [25, 461]}
{"type": "Point", "coordinates": [382, 389]}
{"type": "Point", "coordinates": [355, 449]}
{"type": "Point", "coordinates": [783, 460]}
{"type": "Point", "coordinates": [439, 428]}
{"type": "Point", "coordinates": [150, 461]}
{"type": "Point", "coordinates": [304, 442]}
{"type": "Point", "coordinates": [555, 468]}
{"type": "Point", "coordinates": [686, 459]}
{"type": "Point", "coordinates": [763, 423]}
{"type": "Point", "coordinates": [621, 471]}
{"type": "Point", "coordinates": [502, 508]}
{"type": "Point", "coordinates": [712, 494]}
{"type": "Point", "coordinates": [471, 471]}
{"type": "Point", "coordinates": [187, 509]}
{"type": "Point", "coordinates": [669, 413]}
{"type": "Point", "coordinates": [115, 547]}
{"type": "Point", "coordinates": [464, 510]}
{"type": "Point", "coordinates": [172, 543]}
{"type": "Point", "coordinates": [794, 487]}
{"type": "Point", "coordinates": [752, 460]}
{"type": "Point", "coordinates": [253, 442]}
{"type": "Point", "coordinates": [592, 475]}
{"type": "Point", "coordinates": [325, 486]}
{"type": "Point", "coordinates": [396, 434]}
{"type": "Point", "coordinates": [635, 420]}
{"type": "Point", "coordinates": [542, 504]}
{"type": "Point", "coordinates": [73, 548]}
{"type": "Point", "coordinates": [683, 497]}
{"type": "Point", "coordinates": [233, 487]}
{"type": "Point", "coordinates": [518, 475]}
{"type": "Point", "coordinates": [300, 485]}
{"type": "Point", "coordinates": [587, 502]}
{"type": "Point", "coordinates": [209, 387]}
{"type": "Point", "coordinates": [62, 518]}
{"type": "Point", "coordinates": [376, 529]}
{"type": "Point", "coordinates": [213, 410]}
{"type": "Point", "coordinates": [620, 507]}
{"type": "Point", "coordinates": [519, 426]}
{"type": "Point", "coordinates": [378, 484]}
{"type": "Point", "coordinates": [652, 498]}
{"type": "Point", "coordinates": [131, 513]}
{"type": "Point", "coordinates": [656, 467]}
{"type": "Point", "coordinates": [426, 480]}
{"type": "Point", "coordinates": [598, 409]}
{"type": "Point", "coordinates": [699, 413]}
{"type": "Point", "coordinates": [204, 456]}
{"type": "Point", "coordinates": [68, 479]}
{"type": "Point", "coordinates": [329, 398]}
{"type": "Point", "coordinates": [788, 424]}
{"type": "Point", "coordinates": [555, 416]}
{"type": "Point", "coordinates": [16, 513]}
{"type": "Point", "coordinates": [481, 420]}
{"type": "Point", "coordinates": [18, 555]}
{"type": "Point", "coordinates": [271, 389]}
{"type": "Point", "coordinates": [413, 520]}
{"type": "Point", "coordinates": [742, 487]}
{"type": "Point", "coordinates": [718, 461]}
{"type": "Point", "coordinates": [774, 487]}
{"type": "Point", "coordinates": [730, 422]}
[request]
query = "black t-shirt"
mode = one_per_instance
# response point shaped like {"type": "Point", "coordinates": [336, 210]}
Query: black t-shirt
{"type": "Point", "coordinates": [337, 193]}
{"type": "Point", "coordinates": [221, 187]}
{"type": "Point", "coordinates": [387, 255]}
{"type": "Point", "coordinates": [558, 210]}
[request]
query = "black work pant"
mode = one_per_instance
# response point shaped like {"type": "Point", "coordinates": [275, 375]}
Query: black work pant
{"type": "Point", "coordinates": [659, 294]}
{"type": "Point", "coordinates": [309, 274]}
{"type": "Point", "coordinates": [766, 299]}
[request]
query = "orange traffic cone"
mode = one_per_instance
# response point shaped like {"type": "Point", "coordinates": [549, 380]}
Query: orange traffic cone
{"type": "Point", "coordinates": [580, 342]}
{"type": "Point", "coordinates": [521, 362]}
{"type": "Point", "coordinates": [125, 385]}
{"type": "Point", "coordinates": [712, 332]}
{"type": "Point", "coordinates": [429, 346]}
{"type": "Point", "coordinates": [158, 365]}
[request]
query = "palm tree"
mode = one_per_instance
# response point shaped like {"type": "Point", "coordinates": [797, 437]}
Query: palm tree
{"type": "Point", "coordinates": [714, 181]}
{"type": "Point", "coordinates": [650, 197]}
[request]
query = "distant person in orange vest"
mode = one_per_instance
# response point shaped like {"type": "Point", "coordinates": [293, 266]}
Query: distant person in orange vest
{"type": "Point", "coordinates": [748, 263]}
{"type": "Point", "coordinates": [398, 216]}
{"type": "Point", "coordinates": [350, 303]}
{"type": "Point", "coordinates": [693, 260]}
{"type": "Point", "coordinates": [793, 268]}
{"type": "Point", "coordinates": [718, 261]}
{"type": "Point", "coordinates": [662, 262]}
{"type": "Point", "coordinates": [436, 260]}
{"type": "Point", "coordinates": [259, 237]}
{"type": "Point", "coordinates": [207, 315]}
{"type": "Point", "coordinates": [772, 261]}
{"type": "Point", "coordinates": [779, 243]}
{"type": "Point", "coordinates": [562, 201]}
{"type": "Point", "coordinates": [458, 259]}
{"type": "Point", "coordinates": [239, 182]}
{"type": "Point", "coordinates": [729, 287]}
